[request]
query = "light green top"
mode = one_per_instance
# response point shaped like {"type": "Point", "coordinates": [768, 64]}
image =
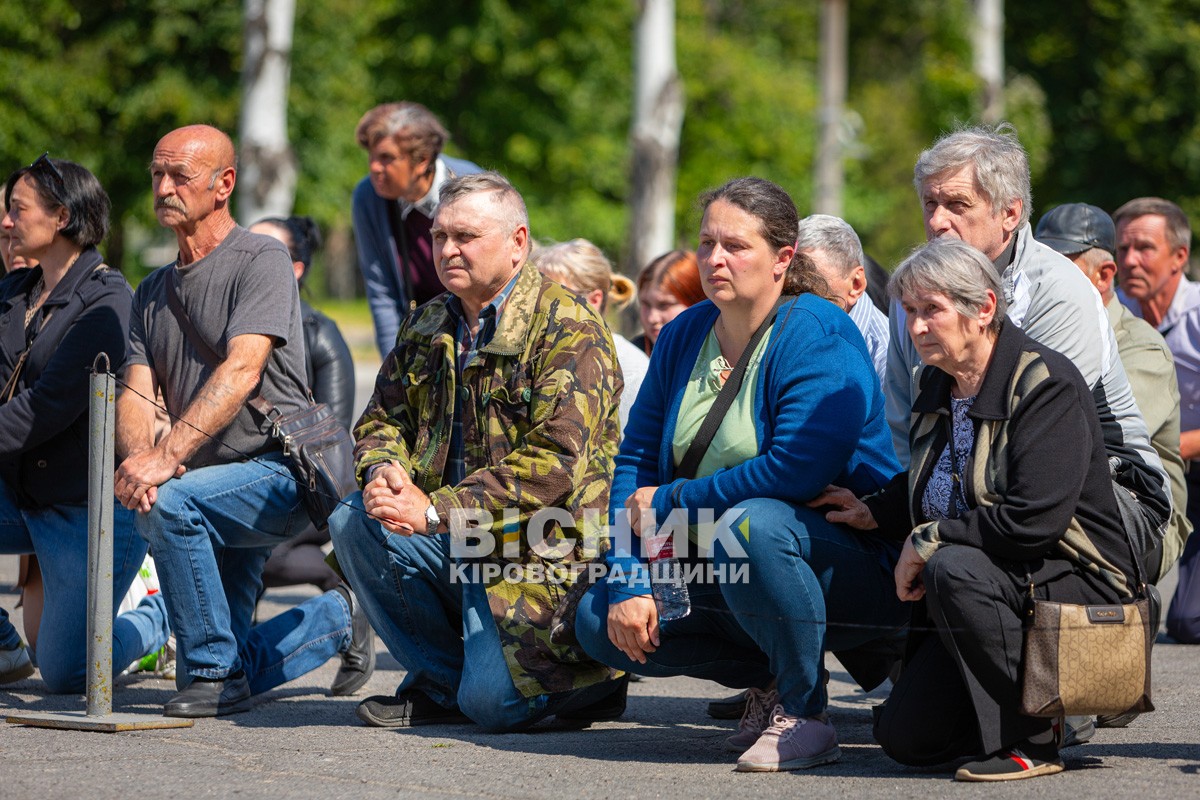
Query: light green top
{"type": "Point", "coordinates": [736, 440]}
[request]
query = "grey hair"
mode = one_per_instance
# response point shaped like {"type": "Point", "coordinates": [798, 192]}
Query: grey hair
{"type": "Point", "coordinates": [509, 200]}
{"type": "Point", "coordinates": [418, 133]}
{"type": "Point", "coordinates": [1093, 257]}
{"type": "Point", "coordinates": [955, 269]}
{"type": "Point", "coordinates": [834, 237]}
{"type": "Point", "coordinates": [584, 266]}
{"type": "Point", "coordinates": [1179, 231]}
{"type": "Point", "coordinates": [1000, 164]}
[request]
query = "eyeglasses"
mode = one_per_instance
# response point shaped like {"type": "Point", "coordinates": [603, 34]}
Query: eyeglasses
{"type": "Point", "coordinates": [46, 166]}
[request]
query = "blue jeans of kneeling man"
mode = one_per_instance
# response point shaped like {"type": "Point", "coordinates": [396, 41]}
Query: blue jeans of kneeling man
{"type": "Point", "coordinates": [210, 532]}
{"type": "Point", "coordinates": [442, 632]}
{"type": "Point", "coordinates": [58, 535]}
{"type": "Point", "coordinates": [812, 586]}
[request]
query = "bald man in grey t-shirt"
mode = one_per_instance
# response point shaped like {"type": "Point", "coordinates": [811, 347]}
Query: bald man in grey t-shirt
{"type": "Point", "coordinates": [216, 493]}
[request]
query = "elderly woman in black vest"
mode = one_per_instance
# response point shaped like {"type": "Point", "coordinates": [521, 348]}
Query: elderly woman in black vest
{"type": "Point", "coordinates": [54, 319]}
{"type": "Point", "coordinates": [1009, 481]}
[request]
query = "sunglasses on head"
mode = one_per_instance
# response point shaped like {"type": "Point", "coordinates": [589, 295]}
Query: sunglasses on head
{"type": "Point", "coordinates": [46, 166]}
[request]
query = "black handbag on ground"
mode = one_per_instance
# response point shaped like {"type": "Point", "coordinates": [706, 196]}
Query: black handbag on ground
{"type": "Point", "coordinates": [319, 450]}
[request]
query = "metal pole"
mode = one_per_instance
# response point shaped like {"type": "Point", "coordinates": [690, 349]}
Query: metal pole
{"type": "Point", "coordinates": [99, 716]}
{"type": "Point", "coordinates": [100, 539]}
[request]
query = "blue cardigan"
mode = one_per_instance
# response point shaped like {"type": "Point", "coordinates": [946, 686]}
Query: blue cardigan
{"type": "Point", "coordinates": [818, 416]}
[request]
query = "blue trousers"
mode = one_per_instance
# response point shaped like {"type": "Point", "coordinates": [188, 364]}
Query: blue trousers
{"type": "Point", "coordinates": [812, 586]}
{"type": "Point", "coordinates": [58, 535]}
{"type": "Point", "coordinates": [211, 532]}
{"type": "Point", "coordinates": [441, 631]}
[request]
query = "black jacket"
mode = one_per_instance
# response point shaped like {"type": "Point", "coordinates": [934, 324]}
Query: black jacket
{"type": "Point", "coordinates": [1038, 483]}
{"type": "Point", "coordinates": [329, 366]}
{"type": "Point", "coordinates": [44, 428]}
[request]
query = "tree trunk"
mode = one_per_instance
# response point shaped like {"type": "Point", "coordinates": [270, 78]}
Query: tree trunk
{"type": "Point", "coordinates": [267, 174]}
{"type": "Point", "coordinates": [341, 273]}
{"type": "Point", "coordinates": [988, 36]}
{"type": "Point", "coordinates": [654, 134]}
{"type": "Point", "coordinates": [827, 189]}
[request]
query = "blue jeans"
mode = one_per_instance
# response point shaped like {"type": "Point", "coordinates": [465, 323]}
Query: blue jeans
{"type": "Point", "coordinates": [58, 535]}
{"type": "Point", "coordinates": [811, 586]}
{"type": "Point", "coordinates": [210, 532]}
{"type": "Point", "coordinates": [442, 633]}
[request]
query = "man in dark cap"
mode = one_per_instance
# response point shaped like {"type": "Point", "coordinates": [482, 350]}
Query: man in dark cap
{"type": "Point", "coordinates": [1085, 234]}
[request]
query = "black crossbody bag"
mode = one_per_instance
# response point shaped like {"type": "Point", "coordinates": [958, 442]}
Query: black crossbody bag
{"type": "Point", "coordinates": [319, 450]}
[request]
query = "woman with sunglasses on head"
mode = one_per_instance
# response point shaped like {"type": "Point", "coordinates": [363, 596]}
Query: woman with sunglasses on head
{"type": "Point", "coordinates": [54, 320]}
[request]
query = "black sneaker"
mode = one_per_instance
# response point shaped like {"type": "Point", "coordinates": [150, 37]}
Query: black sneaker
{"type": "Point", "coordinates": [1116, 720]}
{"type": "Point", "coordinates": [1012, 765]}
{"type": "Point", "coordinates": [209, 698]}
{"type": "Point", "coordinates": [606, 709]}
{"type": "Point", "coordinates": [408, 710]}
{"type": "Point", "coordinates": [728, 707]}
{"type": "Point", "coordinates": [358, 662]}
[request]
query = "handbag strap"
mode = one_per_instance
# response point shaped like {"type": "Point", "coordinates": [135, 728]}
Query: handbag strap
{"type": "Point", "coordinates": [716, 414]}
{"type": "Point", "coordinates": [256, 401]}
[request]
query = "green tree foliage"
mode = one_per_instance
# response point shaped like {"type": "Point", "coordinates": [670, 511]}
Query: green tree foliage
{"type": "Point", "coordinates": [1120, 78]}
{"type": "Point", "coordinates": [749, 73]}
{"type": "Point", "coordinates": [1102, 92]}
{"type": "Point", "coordinates": [100, 83]}
{"type": "Point", "coordinates": [540, 91]}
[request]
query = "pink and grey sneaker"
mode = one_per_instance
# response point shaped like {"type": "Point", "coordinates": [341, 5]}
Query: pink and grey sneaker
{"type": "Point", "coordinates": [1027, 761]}
{"type": "Point", "coordinates": [791, 743]}
{"type": "Point", "coordinates": [756, 717]}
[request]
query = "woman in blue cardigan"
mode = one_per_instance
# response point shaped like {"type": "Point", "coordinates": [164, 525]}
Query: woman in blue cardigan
{"type": "Point", "coordinates": [809, 412]}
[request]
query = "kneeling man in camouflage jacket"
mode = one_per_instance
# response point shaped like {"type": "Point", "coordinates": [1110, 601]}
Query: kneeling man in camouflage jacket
{"type": "Point", "coordinates": [485, 457]}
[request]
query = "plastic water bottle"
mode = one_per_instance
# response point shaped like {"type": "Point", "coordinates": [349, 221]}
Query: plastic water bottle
{"type": "Point", "coordinates": [666, 578]}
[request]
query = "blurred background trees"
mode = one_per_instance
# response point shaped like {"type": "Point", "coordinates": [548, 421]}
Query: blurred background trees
{"type": "Point", "coordinates": [1103, 93]}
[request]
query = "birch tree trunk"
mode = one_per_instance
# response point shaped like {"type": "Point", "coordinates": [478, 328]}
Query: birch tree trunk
{"type": "Point", "coordinates": [657, 122]}
{"type": "Point", "coordinates": [267, 173]}
{"type": "Point", "coordinates": [988, 36]}
{"type": "Point", "coordinates": [827, 188]}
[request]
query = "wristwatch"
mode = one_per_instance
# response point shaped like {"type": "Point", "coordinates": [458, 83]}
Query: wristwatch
{"type": "Point", "coordinates": [432, 520]}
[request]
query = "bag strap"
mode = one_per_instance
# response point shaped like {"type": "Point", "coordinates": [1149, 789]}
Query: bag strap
{"type": "Point", "coordinates": [716, 414]}
{"type": "Point", "coordinates": [256, 401]}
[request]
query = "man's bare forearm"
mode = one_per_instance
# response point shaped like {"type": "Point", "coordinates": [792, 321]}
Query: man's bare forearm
{"type": "Point", "coordinates": [217, 403]}
{"type": "Point", "coordinates": [135, 413]}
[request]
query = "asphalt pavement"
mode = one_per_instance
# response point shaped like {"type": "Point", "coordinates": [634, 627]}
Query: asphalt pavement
{"type": "Point", "coordinates": [299, 742]}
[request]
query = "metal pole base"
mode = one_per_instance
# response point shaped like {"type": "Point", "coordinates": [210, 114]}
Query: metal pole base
{"type": "Point", "coordinates": [108, 723]}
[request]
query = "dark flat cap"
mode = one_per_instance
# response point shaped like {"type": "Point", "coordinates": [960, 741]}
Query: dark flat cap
{"type": "Point", "coordinates": [1074, 227]}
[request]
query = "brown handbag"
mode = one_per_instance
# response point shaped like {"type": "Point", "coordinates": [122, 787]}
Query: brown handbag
{"type": "Point", "coordinates": [1086, 659]}
{"type": "Point", "coordinates": [1082, 660]}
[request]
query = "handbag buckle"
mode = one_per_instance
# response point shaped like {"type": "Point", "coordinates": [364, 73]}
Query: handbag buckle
{"type": "Point", "coordinates": [1106, 615]}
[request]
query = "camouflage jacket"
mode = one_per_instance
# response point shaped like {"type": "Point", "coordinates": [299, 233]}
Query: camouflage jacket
{"type": "Point", "coordinates": [540, 431]}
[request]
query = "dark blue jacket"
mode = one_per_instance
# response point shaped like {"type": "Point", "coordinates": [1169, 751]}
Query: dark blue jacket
{"type": "Point", "coordinates": [44, 427]}
{"type": "Point", "coordinates": [387, 295]}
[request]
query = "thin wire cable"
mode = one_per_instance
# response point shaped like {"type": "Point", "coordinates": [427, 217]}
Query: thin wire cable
{"type": "Point", "coordinates": [245, 456]}
{"type": "Point", "coordinates": [710, 610]}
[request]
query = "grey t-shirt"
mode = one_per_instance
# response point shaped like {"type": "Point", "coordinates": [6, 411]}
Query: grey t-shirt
{"type": "Point", "coordinates": [244, 286]}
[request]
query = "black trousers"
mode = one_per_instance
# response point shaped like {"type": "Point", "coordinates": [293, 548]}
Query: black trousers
{"type": "Point", "coordinates": [959, 692]}
{"type": "Point", "coordinates": [1183, 616]}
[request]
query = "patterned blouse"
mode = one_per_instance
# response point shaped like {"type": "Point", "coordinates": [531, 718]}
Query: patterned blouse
{"type": "Point", "coordinates": [945, 482]}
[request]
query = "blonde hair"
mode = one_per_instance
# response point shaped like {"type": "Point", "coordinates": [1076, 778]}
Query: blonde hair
{"type": "Point", "coordinates": [582, 265]}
